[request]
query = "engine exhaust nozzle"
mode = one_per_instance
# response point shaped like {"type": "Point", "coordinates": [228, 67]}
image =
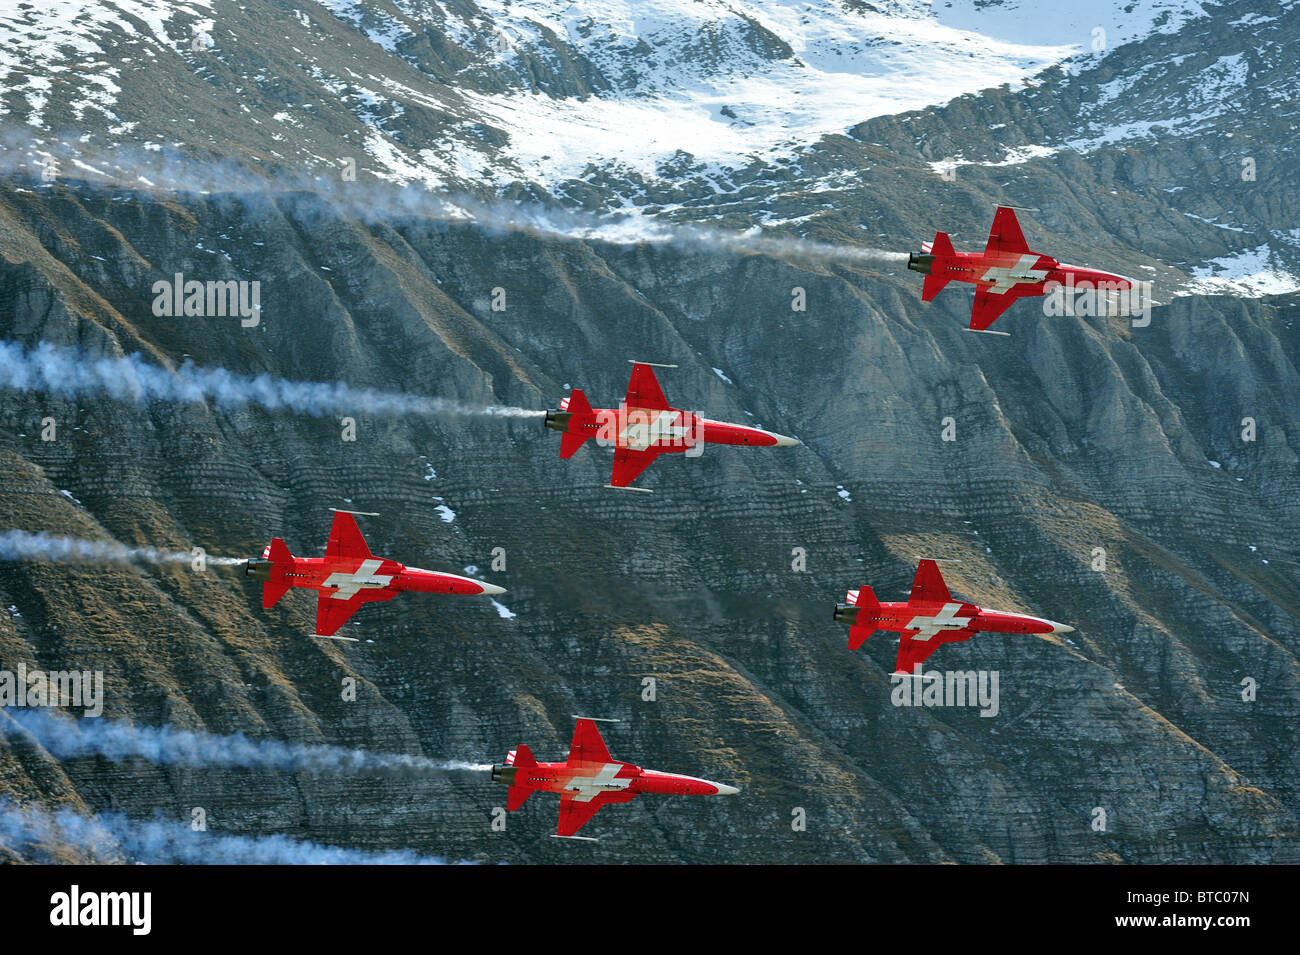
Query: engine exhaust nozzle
{"type": "Point", "coordinates": [504, 774]}
{"type": "Point", "coordinates": [920, 262]}
{"type": "Point", "coordinates": [258, 569]}
{"type": "Point", "coordinates": [557, 420]}
{"type": "Point", "coordinates": [846, 613]}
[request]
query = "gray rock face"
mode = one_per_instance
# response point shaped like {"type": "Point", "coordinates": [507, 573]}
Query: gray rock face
{"type": "Point", "coordinates": [1074, 435]}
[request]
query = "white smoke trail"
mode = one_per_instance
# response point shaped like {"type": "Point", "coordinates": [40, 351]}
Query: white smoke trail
{"type": "Point", "coordinates": [36, 833]}
{"type": "Point", "coordinates": [67, 372]}
{"type": "Point", "coordinates": [168, 746]}
{"type": "Point", "coordinates": [168, 172]}
{"type": "Point", "coordinates": [630, 229]}
{"type": "Point", "coordinates": [20, 545]}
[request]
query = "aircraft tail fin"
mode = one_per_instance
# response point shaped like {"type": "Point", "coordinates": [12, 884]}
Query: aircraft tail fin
{"type": "Point", "coordinates": [942, 248]}
{"type": "Point", "coordinates": [864, 598]}
{"type": "Point", "coordinates": [861, 598]}
{"type": "Point", "coordinates": [577, 403]}
{"type": "Point", "coordinates": [277, 552]}
{"type": "Point", "coordinates": [580, 408]}
{"type": "Point", "coordinates": [522, 757]}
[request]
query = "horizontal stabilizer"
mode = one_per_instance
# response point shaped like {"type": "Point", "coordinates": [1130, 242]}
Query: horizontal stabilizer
{"type": "Point", "coordinates": [272, 591]}
{"type": "Point", "coordinates": [942, 248]}
{"type": "Point", "coordinates": [570, 443]}
{"type": "Point", "coordinates": [934, 284]}
{"type": "Point", "coordinates": [516, 796]}
{"type": "Point", "coordinates": [858, 636]}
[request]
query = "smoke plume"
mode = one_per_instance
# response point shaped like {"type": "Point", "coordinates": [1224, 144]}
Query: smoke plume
{"type": "Point", "coordinates": [170, 172]}
{"type": "Point", "coordinates": [21, 545]}
{"type": "Point", "coordinates": [36, 833]}
{"type": "Point", "coordinates": [67, 372]}
{"type": "Point", "coordinates": [169, 746]}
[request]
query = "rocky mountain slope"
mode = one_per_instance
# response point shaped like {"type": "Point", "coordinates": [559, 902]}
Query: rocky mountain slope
{"type": "Point", "coordinates": [1074, 434]}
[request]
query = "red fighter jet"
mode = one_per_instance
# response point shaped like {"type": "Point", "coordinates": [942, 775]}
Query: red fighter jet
{"type": "Point", "coordinates": [645, 426]}
{"type": "Point", "coordinates": [929, 618]}
{"type": "Point", "coordinates": [1005, 271]}
{"type": "Point", "coordinates": [590, 779]}
{"type": "Point", "coordinates": [349, 576]}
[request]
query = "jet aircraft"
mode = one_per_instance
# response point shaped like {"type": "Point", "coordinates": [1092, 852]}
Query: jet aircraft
{"type": "Point", "coordinates": [590, 779]}
{"type": "Point", "coordinates": [348, 576]}
{"type": "Point", "coordinates": [1005, 271]}
{"type": "Point", "coordinates": [928, 618]}
{"type": "Point", "coordinates": [645, 426]}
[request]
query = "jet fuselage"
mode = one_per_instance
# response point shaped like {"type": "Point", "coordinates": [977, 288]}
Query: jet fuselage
{"type": "Point", "coordinates": [1028, 273]}
{"type": "Point", "coordinates": [664, 431]}
{"type": "Point", "coordinates": [372, 573]}
{"type": "Point", "coordinates": [606, 777]}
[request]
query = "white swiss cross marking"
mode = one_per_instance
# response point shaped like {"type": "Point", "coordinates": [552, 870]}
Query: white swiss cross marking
{"type": "Point", "coordinates": [363, 576]}
{"type": "Point", "coordinates": [1004, 279]}
{"type": "Point", "coordinates": [943, 620]}
{"type": "Point", "coordinates": [641, 433]}
{"type": "Point", "coordinates": [587, 788]}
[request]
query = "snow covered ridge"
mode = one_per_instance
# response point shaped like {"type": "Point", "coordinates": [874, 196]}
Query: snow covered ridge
{"type": "Point", "coordinates": [720, 82]}
{"type": "Point", "coordinates": [1250, 274]}
{"type": "Point", "coordinates": [726, 83]}
{"type": "Point", "coordinates": [77, 41]}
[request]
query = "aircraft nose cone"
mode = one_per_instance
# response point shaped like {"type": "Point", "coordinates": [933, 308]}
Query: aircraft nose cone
{"type": "Point", "coordinates": [782, 441]}
{"type": "Point", "coordinates": [1060, 627]}
{"type": "Point", "coordinates": [725, 790]}
{"type": "Point", "coordinates": [491, 589]}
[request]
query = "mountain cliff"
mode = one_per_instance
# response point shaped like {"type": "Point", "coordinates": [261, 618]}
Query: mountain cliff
{"type": "Point", "coordinates": [1076, 433]}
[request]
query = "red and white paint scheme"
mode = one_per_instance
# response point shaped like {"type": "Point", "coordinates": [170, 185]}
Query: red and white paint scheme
{"type": "Point", "coordinates": [1005, 271]}
{"type": "Point", "coordinates": [349, 576]}
{"type": "Point", "coordinates": [591, 779]}
{"type": "Point", "coordinates": [645, 426]}
{"type": "Point", "coordinates": [930, 617]}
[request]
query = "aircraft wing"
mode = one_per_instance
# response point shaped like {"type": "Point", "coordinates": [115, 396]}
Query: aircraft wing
{"type": "Point", "coordinates": [576, 812]}
{"type": "Point", "coordinates": [587, 746]}
{"type": "Point", "coordinates": [345, 538]}
{"type": "Point", "coordinates": [629, 464]}
{"type": "Point", "coordinates": [643, 390]}
{"type": "Point", "coordinates": [928, 585]}
{"type": "Point", "coordinates": [1005, 235]}
{"type": "Point", "coordinates": [332, 613]}
{"type": "Point", "coordinates": [912, 651]}
{"type": "Point", "coordinates": [989, 306]}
